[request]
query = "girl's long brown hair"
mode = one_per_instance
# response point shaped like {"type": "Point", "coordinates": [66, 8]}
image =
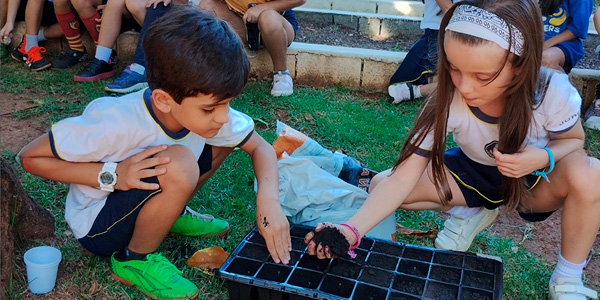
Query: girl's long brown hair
{"type": "Point", "coordinates": [519, 96]}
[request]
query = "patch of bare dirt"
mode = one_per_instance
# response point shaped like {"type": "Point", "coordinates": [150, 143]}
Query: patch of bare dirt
{"type": "Point", "coordinates": [14, 132]}
{"type": "Point", "coordinates": [543, 239]}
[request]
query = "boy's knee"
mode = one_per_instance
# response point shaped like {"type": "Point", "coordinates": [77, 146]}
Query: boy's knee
{"type": "Point", "coordinates": [269, 19]}
{"type": "Point", "coordinates": [183, 167]}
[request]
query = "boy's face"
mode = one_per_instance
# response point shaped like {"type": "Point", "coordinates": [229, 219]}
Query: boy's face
{"type": "Point", "coordinates": [203, 115]}
{"type": "Point", "coordinates": [472, 67]}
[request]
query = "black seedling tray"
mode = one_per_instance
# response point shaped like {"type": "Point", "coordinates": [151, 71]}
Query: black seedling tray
{"type": "Point", "coordinates": [381, 270]}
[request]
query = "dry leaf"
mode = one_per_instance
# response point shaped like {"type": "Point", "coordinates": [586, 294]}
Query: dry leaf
{"type": "Point", "coordinates": [208, 258]}
{"type": "Point", "coordinates": [413, 232]}
{"type": "Point", "coordinates": [94, 287]}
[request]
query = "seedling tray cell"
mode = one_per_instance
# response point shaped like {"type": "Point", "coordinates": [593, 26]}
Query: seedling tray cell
{"type": "Point", "coordinates": [381, 270]}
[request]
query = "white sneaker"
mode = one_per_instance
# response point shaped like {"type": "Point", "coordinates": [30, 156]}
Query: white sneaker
{"type": "Point", "coordinates": [567, 288]}
{"type": "Point", "coordinates": [458, 232]}
{"type": "Point", "coordinates": [282, 85]}
{"type": "Point", "coordinates": [592, 116]}
{"type": "Point", "coordinates": [404, 92]}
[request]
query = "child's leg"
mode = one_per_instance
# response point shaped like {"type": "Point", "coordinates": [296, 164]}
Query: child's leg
{"type": "Point", "coordinates": [192, 223]}
{"type": "Point", "coordinates": [112, 15]}
{"type": "Point", "coordinates": [553, 58]}
{"type": "Point", "coordinates": [573, 186]}
{"type": "Point", "coordinates": [86, 9]}
{"type": "Point", "coordinates": [69, 23]}
{"type": "Point", "coordinates": [277, 34]}
{"type": "Point", "coordinates": [133, 77]}
{"type": "Point", "coordinates": [161, 211]}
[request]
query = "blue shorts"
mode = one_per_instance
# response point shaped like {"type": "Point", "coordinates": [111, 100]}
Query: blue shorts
{"type": "Point", "coordinates": [113, 227]}
{"type": "Point", "coordinates": [481, 185]}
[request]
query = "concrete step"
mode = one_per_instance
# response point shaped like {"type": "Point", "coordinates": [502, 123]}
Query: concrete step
{"type": "Point", "coordinates": [375, 22]}
{"type": "Point", "coordinates": [372, 25]}
{"type": "Point", "coordinates": [322, 65]}
{"type": "Point", "coordinates": [386, 7]}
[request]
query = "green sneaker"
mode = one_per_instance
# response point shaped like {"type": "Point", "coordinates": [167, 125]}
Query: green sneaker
{"type": "Point", "coordinates": [155, 276]}
{"type": "Point", "coordinates": [192, 223]}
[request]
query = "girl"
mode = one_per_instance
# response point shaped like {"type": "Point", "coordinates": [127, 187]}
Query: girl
{"type": "Point", "coordinates": [566, 25]}
{"type": "Point", "coordinates": [519, 136]}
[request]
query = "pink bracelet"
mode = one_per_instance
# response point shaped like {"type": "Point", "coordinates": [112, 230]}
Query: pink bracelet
{"type": "Point", "coordinates": [356, 233]}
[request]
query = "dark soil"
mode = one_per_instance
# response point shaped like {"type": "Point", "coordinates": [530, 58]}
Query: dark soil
{"type": "Point", "coordinates": [336, 35]}
{"type": "Point", "coordinates": [332, 237]}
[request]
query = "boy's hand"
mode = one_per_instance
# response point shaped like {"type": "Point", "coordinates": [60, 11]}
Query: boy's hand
{"type": "Point", "coordinates": [142, 165]}
{"type": "Point", "coordinates": [252, 13]}
{"type": "Point", "coordinates": [275, 229]}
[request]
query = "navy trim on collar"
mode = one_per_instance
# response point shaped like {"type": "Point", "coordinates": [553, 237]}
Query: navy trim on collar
{"type": "Point", "coordinates": [174, 135]}
{"type": "Point", "coordinates": [482, 116]}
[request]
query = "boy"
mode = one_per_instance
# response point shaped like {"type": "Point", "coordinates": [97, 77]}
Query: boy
{"type": "Point", "coordinates": [155, 149]}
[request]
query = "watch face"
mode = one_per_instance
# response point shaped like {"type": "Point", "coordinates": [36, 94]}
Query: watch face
{"type": "Point", "coordinates": [106, 178]}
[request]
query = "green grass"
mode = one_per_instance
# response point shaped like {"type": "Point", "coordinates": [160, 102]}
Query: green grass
{"type": "Point", "coordinates": [366, 126]}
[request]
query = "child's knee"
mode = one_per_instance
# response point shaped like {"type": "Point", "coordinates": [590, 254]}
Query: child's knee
{"type": "Point", "coordinates": [269, 19]}
{"type": "Point", "coordinates": [81, 4]}
{"type": "Point", "coordinates": [182, 170]}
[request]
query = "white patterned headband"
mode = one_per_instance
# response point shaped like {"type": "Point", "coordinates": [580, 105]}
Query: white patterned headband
{"type": "Point", "coordinates": [478, 22]}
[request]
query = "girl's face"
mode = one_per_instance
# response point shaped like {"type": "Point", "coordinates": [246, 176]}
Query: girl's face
{"type": "Point", "coordinates": [471, 69]}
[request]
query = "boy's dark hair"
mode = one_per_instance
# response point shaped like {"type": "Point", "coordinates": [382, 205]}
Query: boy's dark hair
{"type": "Point", "coordinates": [189, 52]}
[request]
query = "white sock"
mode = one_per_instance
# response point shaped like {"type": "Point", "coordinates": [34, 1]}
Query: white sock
{"type": "Point", "coordinates": [417, 90]}
{"type": "Point", "coordinates": [103, 53]}
{"type": "Point", "coordinates": [31, 41]}
{"type": "Point", "coordinates": [41, 36]}
{"type": "Point", "coordinates": [565, 268]}
{"type": "Point", "coordinates": [137, 68]}
{"type": "Point", "coordinates": [464, 211]}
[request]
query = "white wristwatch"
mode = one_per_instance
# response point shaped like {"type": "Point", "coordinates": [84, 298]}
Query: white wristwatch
{"type": "Point", "coordinates": [107, 178]}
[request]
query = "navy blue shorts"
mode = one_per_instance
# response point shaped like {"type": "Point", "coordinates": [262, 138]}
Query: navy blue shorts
{"type": "Point", "coordinates": [481, 185]}
{"type": "Point", "coordinates": [253, 33]}
{"type": "Point", "coordinates": [420, 62]}
{"type": "Point", "coordinates": [113, 227]}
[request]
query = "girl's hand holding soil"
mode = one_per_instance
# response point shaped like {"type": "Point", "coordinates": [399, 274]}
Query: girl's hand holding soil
{"type": "Point", "coordinates": [330, 240]}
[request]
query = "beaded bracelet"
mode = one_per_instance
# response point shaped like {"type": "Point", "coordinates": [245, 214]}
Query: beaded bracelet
{"type": "Point", "coordinates": [357, 234]}
{"type": "Point", "coordinates": [544, 174]}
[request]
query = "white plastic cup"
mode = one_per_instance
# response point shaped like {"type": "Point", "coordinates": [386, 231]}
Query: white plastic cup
{"type": "Point", "coordinates": [42, 267]}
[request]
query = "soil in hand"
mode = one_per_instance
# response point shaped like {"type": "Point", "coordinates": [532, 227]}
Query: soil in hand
{"type": "Point", "coordinates": [332, 237]}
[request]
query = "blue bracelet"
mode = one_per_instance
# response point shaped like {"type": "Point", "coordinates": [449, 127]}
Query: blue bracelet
{"type": "Point", "coordinates": [544, 174]}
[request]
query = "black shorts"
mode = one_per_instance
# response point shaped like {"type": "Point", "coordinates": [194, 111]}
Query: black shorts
{"type": "Point", "coordinates": [481, 185]}
{"type": "Point", "coordinates": [113, 227]}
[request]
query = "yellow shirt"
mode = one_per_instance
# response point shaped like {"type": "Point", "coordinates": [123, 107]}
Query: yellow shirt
{"type": "Point", "coordinates": [241, 6]}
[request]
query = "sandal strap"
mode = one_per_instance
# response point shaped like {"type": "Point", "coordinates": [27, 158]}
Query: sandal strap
{"type": "Point", "coordinates": [577, 289]}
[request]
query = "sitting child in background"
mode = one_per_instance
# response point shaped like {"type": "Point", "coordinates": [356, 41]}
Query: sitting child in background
{"type": "Point", "coordinates": [566, 23]}
{"type": "Point", "coordinates": [35, 13]}
{"type": "Point", "coordinates": [146, 154]}
{"type": "Point", "coordinates": [410, 81]}
{"type": "Point", "coordinates": [592, 115]}
{"type": "Point", "coordinates": [67, 12]}
{"type": "Point", "coordinates": [115, 10]}
{"type": "Point", "coordinates": [133, 77]}
{"type": "Point", "coordinates": [275, 26]}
